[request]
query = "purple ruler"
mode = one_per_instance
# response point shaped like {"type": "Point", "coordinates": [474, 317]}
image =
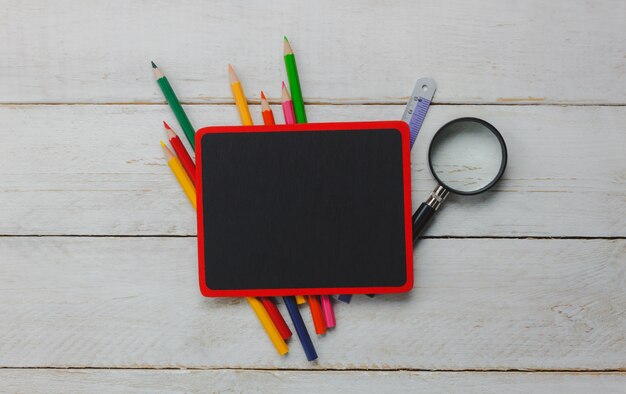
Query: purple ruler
{"type": "Point", "coordinates": [418, 104]}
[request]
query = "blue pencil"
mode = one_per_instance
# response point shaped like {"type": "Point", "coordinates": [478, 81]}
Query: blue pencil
{"type": "Point", "coordinates": [303, 334]}
{"type": "Point", "coordinates": [345, 298]}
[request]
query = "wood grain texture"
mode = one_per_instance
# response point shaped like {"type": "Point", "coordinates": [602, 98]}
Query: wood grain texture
{"type": "Point", "coordinates": [213, 381]}
{"type": "Point", "coordinates": [477, 304]}
{"type": "Point", "coordinates": [100, 170]}
{"type": "Point", "coordinates": [350, 51]}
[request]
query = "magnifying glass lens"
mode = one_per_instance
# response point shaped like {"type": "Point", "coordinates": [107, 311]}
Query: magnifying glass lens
{"type": "Point", "coordinates": [466, 156]}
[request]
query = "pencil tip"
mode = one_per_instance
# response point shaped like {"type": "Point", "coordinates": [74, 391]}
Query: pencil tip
{"type": "Point", "coordinates": [232, 75]}
{"type": "Point", "coordinates": [285, 93]}
{"type": "Point", "coordinates": [263, 95]}
{"type": "Point", "coordinates": [153, 65]}
{"type": "Point", "coordinates": [285, 37]}
{"type": "Point", "coordinates": [287, 47]}
{"type": "Point", "coordinates": [163, 144]}
{"type": "Point", "coordinates": [166, 125]}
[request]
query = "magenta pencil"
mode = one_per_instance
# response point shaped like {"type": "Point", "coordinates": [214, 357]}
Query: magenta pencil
{"type": "Point", "coordinates": [329, 313]}
{"type": "Point", "coordinates": [290, 116]}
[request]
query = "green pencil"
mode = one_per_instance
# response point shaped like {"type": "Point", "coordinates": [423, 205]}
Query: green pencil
{"type": "Point", "coordinates": [294, 83]}
{"type": "Point", "coordinates": [172, 100]}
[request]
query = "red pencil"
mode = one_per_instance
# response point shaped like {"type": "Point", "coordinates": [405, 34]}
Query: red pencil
{"type": "Point", "coordinates": [181, 152]}
{"type": "Point", "coordinates": [277, 318]}
{"type": "Point", "coordinates": [317, 315]}
{"type": "Point", "coordinates": [290, 116]}
{"type": "Point", "coordinates": [266, 111]}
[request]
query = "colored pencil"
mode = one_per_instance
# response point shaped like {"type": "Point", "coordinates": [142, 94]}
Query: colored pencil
{"type": "Point", "coordinates": [317, 314]}
{"type": "Point", "coordinates": [172, 100]}
{"type": "Point", "coordinates": [294, 83]}
{"type": "Point", "coordinates": [329, 313]}
{"type": "Point", "coordinates": [301, 330]}
{"type": "Point", "coordinates": [266, 111]}
{"type": "Point", "coordinates": [268, 325]}
{"type": "Point", "coordinates": [181, 152]}
{"type": "Point", "coordinates": [290, 117]}
{"type": "Point", "coordinates": [276, 317]}
{"type": "Point", "coordinates": [240, 97]}
{"type": "Point", "coordinates": [345, 298]}
{"type": "Point", "coordinates": [181, 175]}
{"type": "Point", "coordinates": [300, 300]}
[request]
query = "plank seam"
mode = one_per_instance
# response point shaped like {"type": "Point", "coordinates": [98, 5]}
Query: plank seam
{"type": "Point", "coordinates": [320, 103]}
{"type": "Point", "coordinates": [533, 237]}
{"type": "Point", "coordinates": [504, 370]}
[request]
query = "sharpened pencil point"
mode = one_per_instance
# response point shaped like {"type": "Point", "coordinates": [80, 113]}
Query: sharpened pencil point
{"type": "Point", "coordinates": [285, 37]}
{"type": "Point", "coordinates": [168, 153]}
{"type": "Point", "coordinates": [287, 47]}
{"type": "Point", "coordinates": [265, 106]}
{"type": "Point", "coordinates": [166, 125]}
{"type": "Point", "coordinates": [156, 71]}
{"type": "Point", "coordinates": [285, 93]}
{"type": "Point", "coordinates": [232, 76]}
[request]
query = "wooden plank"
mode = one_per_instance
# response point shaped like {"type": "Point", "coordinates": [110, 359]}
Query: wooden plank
{"type": "Point", "coordinates": [350, 51]}
{"type": "Point", "coordinates": [185, 381]}
{"type": "Point", "coordinates": [477, 304]}
{"type": "Point", "coordinates": [99, 170]}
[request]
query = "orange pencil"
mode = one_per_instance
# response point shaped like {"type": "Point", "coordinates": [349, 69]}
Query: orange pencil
{"type": "Point", "coordinates": [181, 152]}
{"type": "Point", "coordinates": [266, 111]}
{"type": "Point", "coordinates": [317, 314]}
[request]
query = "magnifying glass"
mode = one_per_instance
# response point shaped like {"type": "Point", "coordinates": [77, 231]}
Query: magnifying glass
{"type": "Point", "coordinates": [467, 156]}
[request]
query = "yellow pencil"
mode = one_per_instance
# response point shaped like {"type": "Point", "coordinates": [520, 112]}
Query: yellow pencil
{"type": "Point", "coordinates": [256, 305]}
{"type": "Point", "coordinates": [268, 324]}
{"type": "Point", "coordinates": [240, 98]}
{"type": "Point", "coordinates": [181, 175]}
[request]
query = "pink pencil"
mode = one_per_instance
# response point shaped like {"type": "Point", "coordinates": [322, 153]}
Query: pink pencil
{"type": "Point", "coordinates": [290, 116]}
{"type": "Point", "coordinates": [329, 313]}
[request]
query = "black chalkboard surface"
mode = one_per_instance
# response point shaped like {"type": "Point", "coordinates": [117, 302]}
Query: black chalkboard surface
{"type": "Point", "coordinates": [304, 209]}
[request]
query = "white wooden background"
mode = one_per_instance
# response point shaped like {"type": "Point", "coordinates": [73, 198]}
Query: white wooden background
{"type": "Point", "coordinates": [519, 290]}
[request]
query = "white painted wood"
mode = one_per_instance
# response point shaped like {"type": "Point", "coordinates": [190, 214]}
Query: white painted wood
{"type": "Point", "coordinates": [100, 170]}
{"type": "Point", "coordinates": [477, 304]}
{"type": "Point", "coordinates": [348, 51]}
{"type": "Point", "coordinates": [185, 381]}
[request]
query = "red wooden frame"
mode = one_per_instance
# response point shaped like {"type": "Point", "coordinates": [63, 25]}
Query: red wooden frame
{"type": "Point", "coordinates": [406, 170]}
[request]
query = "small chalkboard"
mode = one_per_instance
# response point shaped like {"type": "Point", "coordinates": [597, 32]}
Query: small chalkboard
{"type": "Point", "coordinates": [304, 209]}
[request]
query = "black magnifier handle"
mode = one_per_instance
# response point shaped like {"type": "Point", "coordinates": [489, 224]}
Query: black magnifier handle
{"type": "Point", "coordinates": [427, 210]}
